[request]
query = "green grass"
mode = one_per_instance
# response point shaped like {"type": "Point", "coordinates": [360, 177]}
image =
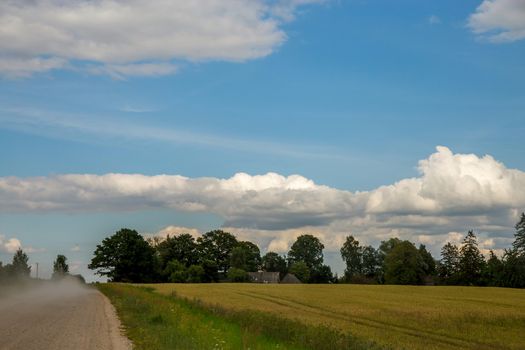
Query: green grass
{"type": "Point", "coordinates": [399, 317]}
{"type": "Point", "coordinates": [156, 321]}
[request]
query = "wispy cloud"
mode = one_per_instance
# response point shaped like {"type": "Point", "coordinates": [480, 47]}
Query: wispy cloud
{"type": "Point", "coordinates": [59, 125]}
{"type": "Point", "coordinates": [499, 21]}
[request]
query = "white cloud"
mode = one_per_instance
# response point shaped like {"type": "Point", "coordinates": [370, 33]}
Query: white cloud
{"type": "Point", "coordinates": [138, 37]}
{"type": "Point", "coordinates": [499, 21]}
{"type": "Point", "coordinates": [454, 193]}
{"type": "Point", "coordinates": [75, 248]}
{"type": "Point", "coordinates": [10, 245]}
{"type": "Point", "coordinates": [172, 231]}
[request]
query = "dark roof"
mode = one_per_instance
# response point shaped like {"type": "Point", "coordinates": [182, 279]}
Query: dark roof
{"type": "Point", "coordinates": [290, 278]}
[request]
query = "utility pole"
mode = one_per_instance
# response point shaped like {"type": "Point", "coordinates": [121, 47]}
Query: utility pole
{"type": "Point", "coordinates": [36, 270]}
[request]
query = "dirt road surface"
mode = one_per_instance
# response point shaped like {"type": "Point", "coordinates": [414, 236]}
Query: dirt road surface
{"type": "Point", "coordinates": [60, 316]}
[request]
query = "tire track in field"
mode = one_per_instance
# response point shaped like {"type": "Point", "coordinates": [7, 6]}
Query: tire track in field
{"type": "Point", "coordinates": [363, 321]}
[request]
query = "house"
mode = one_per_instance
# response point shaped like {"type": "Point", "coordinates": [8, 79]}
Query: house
{"type": "Point", "coordinates": [264, 277]}
{"type": "Point", "coordinates": [290, 278]}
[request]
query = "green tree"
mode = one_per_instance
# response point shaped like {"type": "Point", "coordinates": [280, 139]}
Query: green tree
{"type": "Point", "coordinates": [211, 271]}
{"type": "Point", "coordinates": [176, 272]}
{"type": "Point", "coordinates": [237, 275]}
{"type": "Point", "coordinates": [430, 263]}
{"type": "Point", "coordinates": [217, 245]}
{"type": "Point", "coordinates": [321, 274]}
{"type": "Point", "coordinates": [273, 262]}
{"type": "Point", "coordinates": [404, 265]}
{"type": "Point", "coordinates": [301, 271]}
{"type": "Point", "coordinates": [182, 248]}
{"type": "Point", "coordinates": [60, 267]}
{"type": "Point", "coordinates": [448, 268]}
{"type": "Point", "coordinates": [519, 236]}
{"type": "Point", "coordinates": [471, 261]}
{"type": "Point", "coordinates": [352, 255]}
{"type": "Point", "coordinates": [196, 274]}
{"type": "Point", "coordinates": [19, 267]}
{"type": "Point", "coordinates": [513, 274]}
{"type": "Point", "coordinates": [371, 262]}
{"type": "Point", "coordinates": [246, 256]}
{"type": "Point", "coordinates": [124, 257]}
{"type": "Point", "coordinates": [307, 249]}
{"type": "Point", "coordinates": [493, 272]}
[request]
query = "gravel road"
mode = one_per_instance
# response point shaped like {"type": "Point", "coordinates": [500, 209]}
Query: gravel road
{"type": "Point", "coordinates": [61, 316]}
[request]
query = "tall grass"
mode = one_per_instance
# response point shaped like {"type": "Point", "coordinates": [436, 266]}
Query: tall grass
{"type": "Point", "coordinates": [155, 321]}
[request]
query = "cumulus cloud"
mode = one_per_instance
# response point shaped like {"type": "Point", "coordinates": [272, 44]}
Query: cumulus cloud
{"type": "Point", "coordinates": [453, 193]}
{"type": "Point", "coordinates": [10, 245]}
{"type": "Point", "coordinates": [499, 21]}
{"type": "Point", "coordinates": [137, 37]}
{"type": "Point", "coordinates": [173, 231]}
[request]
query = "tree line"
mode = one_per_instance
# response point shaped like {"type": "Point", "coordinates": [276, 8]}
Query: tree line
{"type": "Point", "coordinates": [219, 256]}
{"type": "Point", "coordinates": [19, 269]}
{"type": "Point", "coordinates": [400, 262]}
{"type": "Point", "coordinates": [215, 256]}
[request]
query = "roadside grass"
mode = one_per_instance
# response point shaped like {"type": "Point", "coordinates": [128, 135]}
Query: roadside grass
{"type": "Point", "coordinates": [156, 321]}
{"type": "Point", "coordinates": [399, 317]}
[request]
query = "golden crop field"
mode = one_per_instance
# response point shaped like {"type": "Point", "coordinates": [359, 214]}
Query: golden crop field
{"type": "Point", "coordinates": [400, 317]}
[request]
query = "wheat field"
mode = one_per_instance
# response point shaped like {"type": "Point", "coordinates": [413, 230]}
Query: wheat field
{"type": "Point", "coordinates": [399, 317]}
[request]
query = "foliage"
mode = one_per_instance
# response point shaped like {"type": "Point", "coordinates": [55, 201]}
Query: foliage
{"type": "Point", "coordinates": [404, 265]}
{"type": "Point", "coordinates": [428, 259]}
{"type": "Point", "coordinates": [307, 249]}
{"type": "Point", "coordinates": [321, 274]}
{"type": "Point", "coordinates": [273, 262]}
{"type": "Point", "coordinates": [124, 257]}
{"type": "Point", "coordinates": [519, 237]}
{"type": "Point", "coordinates": [246, 256]}
{"type": "Point", "coordinates": [237, 275]}
{"type": "Point", "coordinates": [301, 271]}
{"type": "Point", "coordinates": [471, 261]}
{"type": "Point", "coordinates": [196, 274]}
{"type": "Point", "coordinates": [448, 268]}
{"type": "Point", "coordinates": [176, 272]}
{"type": "Point", "coordinates": [19, 268]}
{"type": "Point", "coordinates": [217, 245]}
{"type": "Point", "coordinates": [60, 267]}
{"type": "Point", "coordinates": [352, 255]}
{"type": "Point", "coordinates": [182, 248]}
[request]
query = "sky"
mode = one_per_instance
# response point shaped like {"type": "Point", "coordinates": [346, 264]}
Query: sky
{"type": "Point", "coordinates": [266, 118]}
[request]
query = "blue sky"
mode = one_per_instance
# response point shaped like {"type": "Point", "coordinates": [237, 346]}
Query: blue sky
{"type": "Point", "coordinates": [348, 94]}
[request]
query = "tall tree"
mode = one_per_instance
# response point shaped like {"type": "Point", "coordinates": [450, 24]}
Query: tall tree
{"type": "Point", "coordinates": [273, 262]}
{"type": "Point", "coordinates": [519, 241]}
{"type": "Point", "coordinates": [308, 249]}
{"type": "Point", "coordinates": [301, 271]}
{"type": "Point", "coordinates": [247, 256]}
{"type": "Point", "coordinates": [430, 263]}
{"type": "Point", "coordinates": [60, 267]}
{"type": "Point", "coordinates": [449, 265]}
{"type": "Point", "coordinates": [352, 255]}
{"type": "Point", "coordinates": [371, 262]}
{"type": "Point", "coordinates": [181, 248]}
{"type": "Point", "coordinates": [19, 267]}
{"type": "Point", "coordinates": [471, 261]}
{"type": "Point", "coordinates": [125, 257]}
{"type": "Point", "coordinates": [217, 245]}
{"type": "Point", "coordinates": [404, 265]}
{"type": "Point", "coordinates": [493, 272]}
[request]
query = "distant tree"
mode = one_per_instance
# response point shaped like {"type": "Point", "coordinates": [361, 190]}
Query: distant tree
{"type": "Point", "coordinates": [19, 267]}
{"type": "Point", "coordinates": [273, 262]}
{"type": "Point", "coordinates": [352, 255]}
{"type": "Point", "coordinates": [448, 268]}
{"type": "Point", "coordinates": [246, 256]}
{"type": "Point", "coordinates": [196, 274]}
{"type": "Point", "coordinates": [513, 274]}
{"type": "Point", "coordinates": [182, 248]}
{"type": "Point", "coordinates": [471, 261]}
{"type": "Point", "coordinates": [124, 257]}
{"type": "Point", "coordinates": [519, 236]}
{"type": "Point", "coordinates": [371, 262]}
{"type": "Point", "coordinates": [322, 274]}
{"type": "Point", "coordinates": [217, 245]}
{"type": "Point", "coordinates": [176, 272]}
{"type": "Point", "coordinates": [211, 272]}
{"type": "Point", "coordinates": [237, 275]}
{"type": "Point", "coordinates": [493, 273]}
{"type": "Point", "coordinates": [3, 272]}
{"type": "Point", "coordinates": [404, 265]}
{"type": "Point", "coordinates": [60, 267]}
{"type": "Point", "coordinates": [301, 271]}
{"type": "Point", "coordinates": [430, 263]}
{"type": "Point", "coordinates": [307, 249]}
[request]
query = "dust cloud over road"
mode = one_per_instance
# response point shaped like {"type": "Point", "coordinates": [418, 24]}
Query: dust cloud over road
{"type": "Point", "coordinates": [61, 315]}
